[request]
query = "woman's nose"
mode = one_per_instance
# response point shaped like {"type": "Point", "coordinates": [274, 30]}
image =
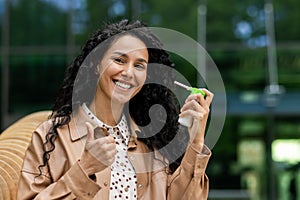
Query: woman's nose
{"type": "Point", "coordinates": [127, 71]}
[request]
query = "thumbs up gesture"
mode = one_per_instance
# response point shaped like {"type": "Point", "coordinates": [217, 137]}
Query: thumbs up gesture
{"type": "Point", "coordinates": [99, 151]}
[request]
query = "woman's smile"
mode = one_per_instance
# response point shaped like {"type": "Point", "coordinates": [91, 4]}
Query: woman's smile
{"type": "Point", "coordinates": [123, 85]}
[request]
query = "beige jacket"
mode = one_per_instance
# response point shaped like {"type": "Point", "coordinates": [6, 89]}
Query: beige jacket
{"type": "Point", "coordinates": [64, 179]}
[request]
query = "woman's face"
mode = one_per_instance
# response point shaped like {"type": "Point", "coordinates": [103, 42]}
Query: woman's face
{"type": "Point", "coordinates": [123, 70]}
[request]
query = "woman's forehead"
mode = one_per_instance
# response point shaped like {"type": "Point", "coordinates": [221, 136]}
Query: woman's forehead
{"type": "Point", "coordinates": [129, 43]}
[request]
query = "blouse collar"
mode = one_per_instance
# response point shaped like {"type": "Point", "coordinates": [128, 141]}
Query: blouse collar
{"type": "Point", "coordinates": [80, 117]}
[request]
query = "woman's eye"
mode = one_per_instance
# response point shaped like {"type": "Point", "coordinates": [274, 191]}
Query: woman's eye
{"type": "Point", "coordinates": [140, 66]}
{"type": "Point", "coordinates": [119, 60]}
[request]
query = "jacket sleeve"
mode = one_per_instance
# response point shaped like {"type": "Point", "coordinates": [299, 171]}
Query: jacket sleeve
{"type": "Point", "coordinates": [189, 181]}
{"type": "Point", "coordinates": [74, 184]}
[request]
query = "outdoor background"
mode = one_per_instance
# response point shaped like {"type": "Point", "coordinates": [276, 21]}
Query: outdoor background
{"type": "Point", "coordinates": [258, 153]}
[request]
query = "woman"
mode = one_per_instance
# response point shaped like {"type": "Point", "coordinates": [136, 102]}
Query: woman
{"type": "Point", "coordinates": [100, 142]}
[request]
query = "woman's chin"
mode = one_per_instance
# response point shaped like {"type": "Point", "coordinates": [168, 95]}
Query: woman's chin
{"type": "Point", "coordinates": [120, 99]}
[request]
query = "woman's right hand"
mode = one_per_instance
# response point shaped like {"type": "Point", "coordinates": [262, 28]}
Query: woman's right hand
{"type": "Point", "coordinates": [98, 153]}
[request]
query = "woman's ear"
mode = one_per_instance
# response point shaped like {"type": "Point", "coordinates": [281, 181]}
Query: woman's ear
{"type": "Point", "coordinates": [97, 70]}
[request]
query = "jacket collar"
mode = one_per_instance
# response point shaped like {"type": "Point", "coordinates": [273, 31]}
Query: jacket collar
{"type": "Point", "coordinates": [79, 129]}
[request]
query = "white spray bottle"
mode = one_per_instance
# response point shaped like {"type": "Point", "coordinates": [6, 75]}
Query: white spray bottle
{"type": "Point", "coordinates": [187, 121]}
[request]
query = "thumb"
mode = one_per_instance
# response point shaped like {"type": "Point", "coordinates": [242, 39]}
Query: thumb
{"type": "Point", "coordinates": [90, 131]}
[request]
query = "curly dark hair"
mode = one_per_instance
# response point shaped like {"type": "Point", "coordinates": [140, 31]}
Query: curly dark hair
{"type": "Point", "coordinates": [70, 97]}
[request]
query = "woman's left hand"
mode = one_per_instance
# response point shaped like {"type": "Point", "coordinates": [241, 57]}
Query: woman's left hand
{"type": "Point", "coordinates": [198, 108]}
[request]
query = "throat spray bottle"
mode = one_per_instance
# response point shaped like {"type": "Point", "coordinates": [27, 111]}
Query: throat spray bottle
{"type": "Point", "coordinates": [187, 121]}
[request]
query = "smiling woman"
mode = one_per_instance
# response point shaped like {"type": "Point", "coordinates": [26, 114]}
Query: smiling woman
{"type": "Point", "coordinates": [94, 145]}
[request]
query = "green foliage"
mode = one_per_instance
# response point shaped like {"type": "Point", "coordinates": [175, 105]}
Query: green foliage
{"type": "Point", "coordinates": [36, 78]}
{"type": "Point", "coordinates": [287, 20]}
{"type": "Point", "coordinates": [37, 23]}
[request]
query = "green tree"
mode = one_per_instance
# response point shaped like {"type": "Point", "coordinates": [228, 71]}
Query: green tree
{"type": "Point", "coordinates": [37, 23]}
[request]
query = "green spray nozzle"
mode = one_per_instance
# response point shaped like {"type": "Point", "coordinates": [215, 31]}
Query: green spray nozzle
{"type": "Point", "coordinates": [193, 90]}
{"type": "Point", "coordinates": [197, 91]}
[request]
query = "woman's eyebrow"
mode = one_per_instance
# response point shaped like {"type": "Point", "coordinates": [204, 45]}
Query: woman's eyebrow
{"type": "Point", "coordinates": [142, 60]}
{"type": "Point", "coordinates": [120, 53]}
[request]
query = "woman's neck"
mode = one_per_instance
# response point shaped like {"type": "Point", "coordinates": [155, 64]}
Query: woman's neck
{"type": "Point", "coordinates": [106, 111]}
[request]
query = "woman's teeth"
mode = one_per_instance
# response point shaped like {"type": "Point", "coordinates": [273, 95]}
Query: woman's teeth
{"type": "Point", "coordinates": [122, 85]}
